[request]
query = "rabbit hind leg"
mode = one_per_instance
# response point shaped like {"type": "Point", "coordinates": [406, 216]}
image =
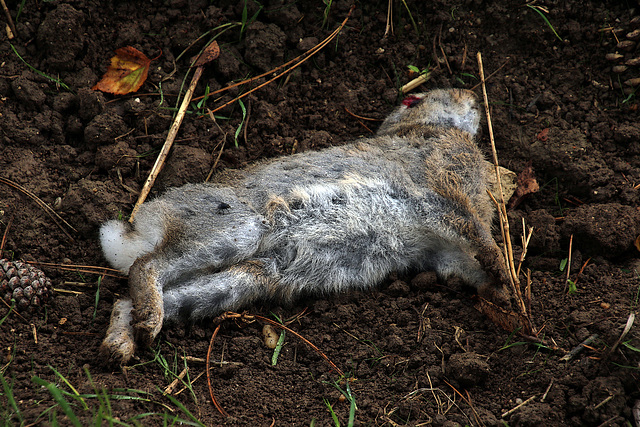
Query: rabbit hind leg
{"type": "Point", "coordinates": [230, 289]}
{"type": "Point", "coordinates": [145, 289]}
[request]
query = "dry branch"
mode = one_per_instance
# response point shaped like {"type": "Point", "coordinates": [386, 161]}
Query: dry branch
{"type": "Point", "coordinates": [208, 54]}
{"type": "Point", "coordinates": [502, 210]}
{"type": "Point", "coordinates": [52, 214]}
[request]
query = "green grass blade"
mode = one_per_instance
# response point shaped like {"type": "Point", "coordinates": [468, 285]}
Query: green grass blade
{"type": "Point", "coordinates": [97, 299]}
{"type": "Point", "coordinates": [278, 349]}
{"type": "Point", "coordinates": [244, 116]}
{"type": "Point", "coordinates": [13, 304]}
{"type": "Point", "coordinates": [336, 421]}
{"type": "Point", "coordinates": [413, 22]}
{"type": "Point", "coordinates": [352, 406]}
{"type": "Point", "coordinates": [60, 400]}
{"type": "Point", "coordinates": [545, 20]}
{"type": "Point", "coordinates": [56, 81]}
{"type": "Point", "coordinates": [75, 392]}
{"type": "Point", "coordinates": [8, 392]}
{"type": "Point", "coordinates": [184, 409]}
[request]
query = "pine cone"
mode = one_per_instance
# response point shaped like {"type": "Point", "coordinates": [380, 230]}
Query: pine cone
{"type": "Point", "coordinates": [24, 283]}
{"type": "Point", "coordinates": [625, 61]}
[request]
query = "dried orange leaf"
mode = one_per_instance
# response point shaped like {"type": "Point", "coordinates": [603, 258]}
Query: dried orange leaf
{"type": "Point", "coordinates": [637, 243]}
{"type": "Point", "coordinates": [527, 184]}
{"type": "Point", "coordinates": [127, 72]}
{"type": "Point", "coordinates": [210, 53]}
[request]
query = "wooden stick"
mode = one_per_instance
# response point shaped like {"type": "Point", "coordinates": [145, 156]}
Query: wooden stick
{"type": "Point", "coordinates": [7, 14]}
{"type": "Point", "coordinates": [210, 52]}
{"type": "Point", "coordinates": [415, 83]}
{"type": "Point", "coordinates": [511, 411]}
{"type": "Point", "coordinates": [504, 220]}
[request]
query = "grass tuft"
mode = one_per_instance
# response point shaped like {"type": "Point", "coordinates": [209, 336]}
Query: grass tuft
{"type": "Point", "coordinates": [35, 70]}
{"type": "Point", "coordinates": [541, 11]}
{"type": "Point", "coordinates": [5, 414]}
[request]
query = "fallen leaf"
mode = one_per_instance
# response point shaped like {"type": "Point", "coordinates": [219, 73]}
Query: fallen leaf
{"type": "Point", "coordinates": [210, 53]}
{"type": "Point", "coordinates": [637, 243]}
{"type": "Point", "coordinates": [526, 184]}
{"type": "Point", "coordinates": [127, 72]}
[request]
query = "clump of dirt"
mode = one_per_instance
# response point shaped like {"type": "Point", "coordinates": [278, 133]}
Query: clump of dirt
{"type": "Point", "coordinates": [416, 349]}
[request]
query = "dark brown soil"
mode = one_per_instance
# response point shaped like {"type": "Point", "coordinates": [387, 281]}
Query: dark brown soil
{"type": "Point", "coordinates": [417, 350]}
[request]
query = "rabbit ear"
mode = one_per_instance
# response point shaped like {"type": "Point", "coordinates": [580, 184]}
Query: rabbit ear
{"type": "Point", "coordinates": [468, 121]}
{"type": "Point", "coordinates": [452, 108]}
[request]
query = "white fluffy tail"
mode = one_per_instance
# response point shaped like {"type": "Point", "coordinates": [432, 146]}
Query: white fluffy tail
{"type": "Point", "coordinates": [122, 246]}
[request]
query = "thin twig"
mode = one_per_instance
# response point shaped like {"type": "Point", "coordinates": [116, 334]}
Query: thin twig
{"type": "Point", "coordinates": [302, 57]}
{"type": "Point", "coordinates": [462, 396]}
{"type": "Point", "coordinates": [568, 266]}
{"type": "Point", "coordinates": [245, 317]}
{"type": "Point", "coordinates": [569, 259]}
{"type": "Point", "coordinates": [7, 14]}
{"type": "Point", "coordinates": [4, 236]}
{"type": "Point", "coordinates": [306, 341]}
{"type": "Point", "coordinates": [52, 214]}
{"type": "Point", "coordinates": [361, 117]}
{"type": "Point", "coordinates": [174, 383]}
{"type": "Point", "coordinates": [546, 392]}
{"type": "Point", "coordinates": [511, 411]}
{"type": "Point", "coordinates": [504, 220]}
{"type": "Point", "coordinates": [309, 53]}
{"type": "Point", "coordinates": [582, 270]}
{"type": "Point", "coordinates": [603, 402]}
{"type": "Point", "coordinates": [89, 269]}
{"type": "Point", "coordinates": [491, 75]}
{"type": "Point", "coordinates": [526, 237]}
{"type": "Point", "coordinates": [213, 397]}
{"type": "Point", "coordinates": [574, 352]}
{"type": "Point", "coordinates": [415, 83]}
{"type": "Point", "coordinates": [389, 27]}
{"type": "Point", "coordinates": [527, 291]}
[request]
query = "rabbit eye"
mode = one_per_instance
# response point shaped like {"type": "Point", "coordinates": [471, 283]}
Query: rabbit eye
{"type": "Point", "coordinates": [411, 101]}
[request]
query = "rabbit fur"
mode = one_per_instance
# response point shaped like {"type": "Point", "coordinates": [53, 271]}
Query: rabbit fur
{"type": "Point", "coordinates": [414, 196]}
